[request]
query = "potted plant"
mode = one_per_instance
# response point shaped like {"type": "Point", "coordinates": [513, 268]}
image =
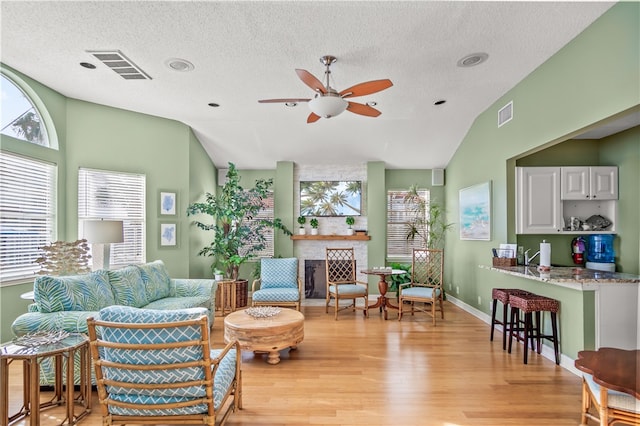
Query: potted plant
{"type": "Point", "coordinates": [235, 238]}
{"type": "Point", "coordinates": [301, 221]}
{"type": "Point", "coordinates": [218, 275]}
{"type": "Point", "coordinates": [314, 226]}
{"type": "Point", "coordinates": [427, 221]}
{"type": "Point", "coordinates": [350, 222]}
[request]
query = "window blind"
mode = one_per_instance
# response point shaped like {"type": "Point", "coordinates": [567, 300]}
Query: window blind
{"type": "Point", "coordinates": [399, 214]}
{"type": "Point", "coordinates": [27, 214]}
{"type": "Point", "coordinates": [112, 195]}
{"type": "Point", "coordinates": [266, 213]}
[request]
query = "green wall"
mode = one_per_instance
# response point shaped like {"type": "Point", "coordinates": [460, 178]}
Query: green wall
{"type": "Point", "coordinates": [101, 137]}
{"type": "Point", "coordinates": [594, 77]}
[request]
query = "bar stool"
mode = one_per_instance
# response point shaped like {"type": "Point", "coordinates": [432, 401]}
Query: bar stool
{"type": "Point", "coordinates": [530, 304]}
{"type": "Point", "coordinates": [502, 295]}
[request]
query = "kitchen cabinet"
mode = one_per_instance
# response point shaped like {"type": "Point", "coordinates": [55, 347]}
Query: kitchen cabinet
{"type": "Point", "coordinates": [538, 208]}
{"type": "Point", "coordinates": [542, 206]}
{"type": "Point", "coordinates": [589, 183]}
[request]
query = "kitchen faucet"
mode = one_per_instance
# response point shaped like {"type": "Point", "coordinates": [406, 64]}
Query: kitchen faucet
{"type": "Point", "coordinates": [528, 259]}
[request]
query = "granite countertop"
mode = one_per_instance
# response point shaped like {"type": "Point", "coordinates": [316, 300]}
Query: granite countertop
{"type": "Point", "coordinates": [568, 276]}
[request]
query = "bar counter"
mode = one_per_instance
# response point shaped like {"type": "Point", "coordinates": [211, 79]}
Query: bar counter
{"type": "Point", "coordinates": [576, 278]}
{"type": "Point", "coordinates": [597, 308]}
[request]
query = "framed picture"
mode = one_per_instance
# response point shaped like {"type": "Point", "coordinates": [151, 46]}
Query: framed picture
{"type": "Point", "coordinates": [475, 212]}
{"type": "Point", "coordinates": [168, 234]}
{"type": "Point", "coordinates": [168, 202]}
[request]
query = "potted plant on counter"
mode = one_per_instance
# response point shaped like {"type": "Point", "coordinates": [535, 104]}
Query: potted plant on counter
{"type": "Point", "coordinates": [314, 226]}
{"type": "Point", "coordinates": [301, 221]}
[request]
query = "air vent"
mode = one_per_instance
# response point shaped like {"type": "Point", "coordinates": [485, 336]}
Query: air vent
{"type": "Point", "coordinates": [505, 114]}
{"type": "Point", "coordinates": [119, 63]}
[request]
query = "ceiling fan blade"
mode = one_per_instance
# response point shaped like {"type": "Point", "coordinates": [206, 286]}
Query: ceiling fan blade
{"type": "Point", "coordinates": [313, 118]}
{"type": "Point", "coordinates": [308, 79]}
{"type": "Point", "coordinates": [271, 101]}
{"type": "Point", "coordinates": [362, 109]}
{"type": "Point", "coordinates": [366, 88]}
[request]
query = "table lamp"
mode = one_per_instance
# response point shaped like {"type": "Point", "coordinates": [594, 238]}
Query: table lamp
{"type": "Point", "coordinates": [101, 234]}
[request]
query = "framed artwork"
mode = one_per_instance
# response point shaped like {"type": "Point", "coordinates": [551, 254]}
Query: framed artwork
{"type": "Point", "coordinates": [168, 201]}
{"type": "Point", "coordinates": [475, 212]}
{"type": "Point", "coordinates": [168, 235]}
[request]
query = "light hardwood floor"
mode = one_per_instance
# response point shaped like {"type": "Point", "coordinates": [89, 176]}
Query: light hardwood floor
{"type": "Point", "coordinates": [358, 371]}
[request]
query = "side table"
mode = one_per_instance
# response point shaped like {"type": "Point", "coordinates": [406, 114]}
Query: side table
{"type": "Point", "coordinates": [31, 357]}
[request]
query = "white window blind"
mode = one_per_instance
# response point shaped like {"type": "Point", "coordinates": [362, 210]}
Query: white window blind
{"type": "Point", "coordinates": [27, 214]}
{"type": "Point", "coordinates": [266, 212]}
{"type": "Point", "coordinates": [111, 195]}
{"type": "Point", "coordinates": [399, 215]}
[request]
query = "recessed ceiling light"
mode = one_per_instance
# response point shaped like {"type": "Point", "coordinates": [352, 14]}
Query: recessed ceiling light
{"type": "Point", "coordinates": [473, 60]}
{"type": "Point", "coordinates": [439, 102]}
{"type": "Point", "coordinates": [88, 65]}
{"type": "Point", "coordinates": [213, 105]}
{"type": "Point", "coordinates": [177, 64]}
{"type": "Point", "coordinates": [372, 103]}
{"type": "Point", "coordinates": [290, 104]}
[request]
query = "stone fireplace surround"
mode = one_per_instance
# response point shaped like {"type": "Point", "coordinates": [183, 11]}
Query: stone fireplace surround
{"type": "Point", "coordinates": [315, 249]}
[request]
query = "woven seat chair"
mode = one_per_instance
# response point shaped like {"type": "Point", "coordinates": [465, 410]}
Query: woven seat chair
{"type": "Point", "coordinates": [156, 367]}
{"type": "Point", "coordinates": [342, 284]}
{"type": "Point", "coordinates": [609, 406]}
{"type": "Point", "coordinates": [426, 284]}
{"type": "Point", "coordinates": [278, 285]}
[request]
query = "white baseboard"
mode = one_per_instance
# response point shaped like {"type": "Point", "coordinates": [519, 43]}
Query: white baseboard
{"type": "Point", "coordinates": [547, 351]}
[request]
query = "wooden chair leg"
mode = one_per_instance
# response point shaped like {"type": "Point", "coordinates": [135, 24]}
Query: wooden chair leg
{"type": "Point", "coordinates": [554, 329]}
{"type": "Point", "coordinates": [505, 321]}
{"type": "Point", "coordinates": [494, 305]}
{"type": "Point", "coordinates": [433, 311]}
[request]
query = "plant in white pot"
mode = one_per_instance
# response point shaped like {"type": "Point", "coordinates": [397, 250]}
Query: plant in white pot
{"type": "Point", "coordinates": [301, 221]}
{"type": "Point", "coordinates": [314, 226]}
{"type": "Point", "coordinates": [350, 222]}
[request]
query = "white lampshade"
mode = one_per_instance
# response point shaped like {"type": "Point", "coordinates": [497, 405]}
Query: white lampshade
{"type": "Point", "coordinates": [103, 231]}
{"type": "Point", "coordinates": [328, 106]}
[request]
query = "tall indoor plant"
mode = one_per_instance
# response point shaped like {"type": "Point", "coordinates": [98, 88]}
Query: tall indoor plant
{"type": "Point", "coordinates": [237, 232]}
{"type": "Point", "coordinates": [427, 222]}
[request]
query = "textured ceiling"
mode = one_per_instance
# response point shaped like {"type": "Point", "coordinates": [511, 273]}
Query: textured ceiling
{"type": "Point", "coordinates": [245, 51]}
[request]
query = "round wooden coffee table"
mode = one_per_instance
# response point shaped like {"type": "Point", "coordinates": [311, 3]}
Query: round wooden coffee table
{"type": "Point", "coordinates": [271, 334]}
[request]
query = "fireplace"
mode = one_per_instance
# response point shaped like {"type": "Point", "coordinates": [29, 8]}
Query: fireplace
{"type": "Point", "coordinates": [315, 279]}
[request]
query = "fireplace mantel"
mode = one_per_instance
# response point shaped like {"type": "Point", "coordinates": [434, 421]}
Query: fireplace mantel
{"type": "Point", "coordinates": [357, 237]}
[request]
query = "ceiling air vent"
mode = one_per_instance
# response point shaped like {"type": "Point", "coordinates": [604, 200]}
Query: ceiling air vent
{"type": "Point", "coordinates": [119, 63]}
{"type": "Point", "coordinates": [505, 114]}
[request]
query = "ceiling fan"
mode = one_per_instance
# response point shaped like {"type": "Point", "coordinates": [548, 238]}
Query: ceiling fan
{"type": "Point", "coordinates": [328, 102]}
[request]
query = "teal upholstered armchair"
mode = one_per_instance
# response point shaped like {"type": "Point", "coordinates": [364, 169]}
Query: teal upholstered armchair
{"type": "Point", "coordinates": [156, 366]}
{"type": "Point", "coordinates": [278, 285]}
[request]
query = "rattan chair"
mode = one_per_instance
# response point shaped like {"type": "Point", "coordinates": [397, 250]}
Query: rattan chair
{"type": "Point", "coordinates": [156, 367]}
{"type": "Point", "coordinates": [426, 284]}
{"type": "Point", "coordinates": [340, 265]}
{"type": "Point", "coordinates": [607, 406]}
{"type": "Point", "coordinates": [278, 285]}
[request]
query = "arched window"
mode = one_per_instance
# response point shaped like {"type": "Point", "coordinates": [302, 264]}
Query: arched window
{"type": "Point", "coordinates": [20, 117]}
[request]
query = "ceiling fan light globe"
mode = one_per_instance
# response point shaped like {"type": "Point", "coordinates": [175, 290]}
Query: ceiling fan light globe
{"type": "Point", "coordinates": [328, 106]}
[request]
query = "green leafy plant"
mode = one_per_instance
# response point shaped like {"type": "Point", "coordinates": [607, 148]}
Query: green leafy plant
{"type": "Point", "coordinates": [350, 221]}
{"type": "Point", "coordinates": [314, 223]}
{"type": "Point", "coordinates": [427, 222]}
{"type": "Point", "coordinates": [301, 221]}
{"type": "Point", "coordinates": [397, 279]}
{"type": "Point", "coordinates": [235, 238]}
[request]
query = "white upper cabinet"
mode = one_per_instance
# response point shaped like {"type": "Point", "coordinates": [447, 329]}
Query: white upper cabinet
{"type": "Point", "coordinates": [548, 197]}
{"type": "Point", "coordinates": [538, 205]}
{"type": "Point", "coordinates": [589, 183]}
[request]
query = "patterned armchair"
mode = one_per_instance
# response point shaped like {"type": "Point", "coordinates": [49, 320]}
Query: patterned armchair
{"type": "Point", "coordinates": [278, 285]}
{"type": "Point", "coordinates": [157, 367]}
{"type": "Point", "coordinates": [340, 268]}
{"type": "Point", "coordinates": [426, 284]}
